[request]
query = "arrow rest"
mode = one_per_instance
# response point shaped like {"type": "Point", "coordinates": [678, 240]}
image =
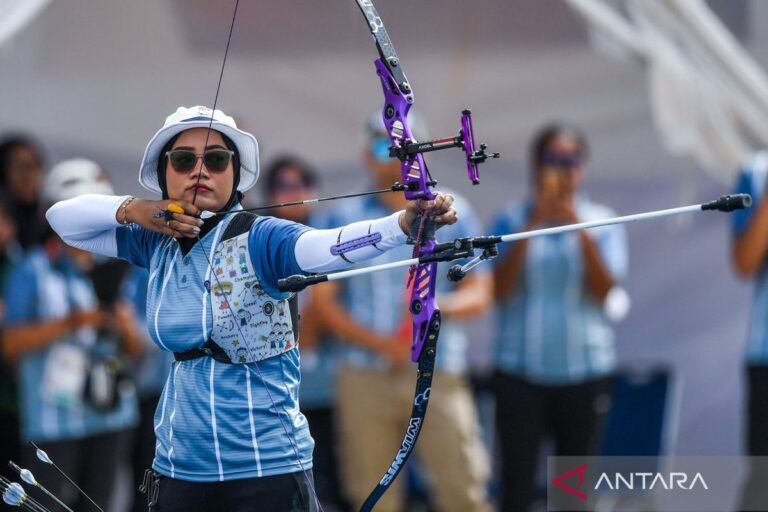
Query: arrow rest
{"type": "Point", "coordinates": [457, 272]}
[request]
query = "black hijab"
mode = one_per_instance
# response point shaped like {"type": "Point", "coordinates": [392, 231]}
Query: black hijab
{"type": "Point", "coordinates": [235, 197]}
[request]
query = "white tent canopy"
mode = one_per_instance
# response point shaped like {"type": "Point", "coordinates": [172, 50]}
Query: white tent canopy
{"type": "Point", "coordinates": [15, 15]}
{"type": "Point", "coordinates": [709, 96]}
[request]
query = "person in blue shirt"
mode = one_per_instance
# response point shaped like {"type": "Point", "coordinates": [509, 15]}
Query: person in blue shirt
{"type": "Point", "coordinates": [289, 179]}
{"type": "Point", "coordinates": [64, 340]}
{"type": "Point", "coordinates": [374, 384]}
{"type": "Point", "coordinates": [21, 228]}
{"type": "Point", "coordinates": [230, 435]}
{"type": "Point", "coordinates": [555, 347]}
{"type": "Point", "coordinates": [750, 253]}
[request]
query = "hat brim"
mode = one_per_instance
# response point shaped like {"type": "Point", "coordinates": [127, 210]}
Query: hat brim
{"type": "Point", "coordinates": [246, 144]}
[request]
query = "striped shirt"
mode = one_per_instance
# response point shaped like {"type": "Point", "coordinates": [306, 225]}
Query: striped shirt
{"type": "Point", "coordinates": [219, 421]}
{"type": "Point", "coordinates": [379, 302]}
{"type": "Point", "coordinates": [39, 290]}
{"type": "Point", "coordinates": [550, 330]}
{"type": "Point", "coordinates": [318, 363]}
{"type": "Point", "coordinates": [150, 369]}
{"type": "Point", "coordinates": [752, 180]}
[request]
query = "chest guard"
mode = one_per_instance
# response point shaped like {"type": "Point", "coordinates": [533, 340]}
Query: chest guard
{"type": "Point", "coordinates": [247, 324]}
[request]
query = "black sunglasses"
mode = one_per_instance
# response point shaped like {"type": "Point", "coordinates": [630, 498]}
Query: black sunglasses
{"type": "Point", "coordinates": [562, 161]}
{"type": "Point", "coordinates": [215, 160]}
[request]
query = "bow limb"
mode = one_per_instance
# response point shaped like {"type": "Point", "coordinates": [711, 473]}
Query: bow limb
{"type": "Point", "coordinates": [398, 98]}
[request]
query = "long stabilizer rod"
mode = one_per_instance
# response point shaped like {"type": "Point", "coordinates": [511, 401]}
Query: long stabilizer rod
{"type": "Point", "coordinates": [297, 283]}
{"type": "Point", "coordinates": [724, 204]}
{"type": "Point", "coordinates": [727, 203]}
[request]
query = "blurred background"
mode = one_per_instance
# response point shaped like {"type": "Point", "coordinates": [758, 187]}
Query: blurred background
{"type": "Point", "coordinates": [98, 79]}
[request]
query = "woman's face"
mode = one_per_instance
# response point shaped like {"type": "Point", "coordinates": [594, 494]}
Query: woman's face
{"type": "Point", "coordinates": [562, 160]}
{"type": "Point", "coordinates": [213, 188]}
{"type": "Point", "coordinates": [24, 175]}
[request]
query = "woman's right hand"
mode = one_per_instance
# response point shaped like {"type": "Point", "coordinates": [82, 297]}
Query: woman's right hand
{"type": "Point", "coordinates": [151, 215]}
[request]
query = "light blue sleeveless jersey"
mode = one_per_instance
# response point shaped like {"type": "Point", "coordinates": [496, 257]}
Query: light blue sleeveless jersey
{"type": "Point", "coordinates": [216, 421]}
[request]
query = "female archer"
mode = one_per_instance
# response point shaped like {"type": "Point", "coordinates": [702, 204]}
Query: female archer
{"type": "Point", "coordinates": [230, 435]}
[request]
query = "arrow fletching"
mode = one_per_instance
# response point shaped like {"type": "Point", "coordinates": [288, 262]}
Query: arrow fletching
{"type": "Point", "coordinates": [43, 456]}
{"type": "Point", "coordinates": [28, 477]}
{"type": "Point", "coordinates": [14, 495]}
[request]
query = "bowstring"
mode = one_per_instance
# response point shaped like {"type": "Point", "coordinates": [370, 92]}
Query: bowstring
{"type": "Point", "coordinates": [259, 373]}
{"type": "Point", "coordinates": [216, 97]}
{"type": "Point", "coordinates": [417, 247]}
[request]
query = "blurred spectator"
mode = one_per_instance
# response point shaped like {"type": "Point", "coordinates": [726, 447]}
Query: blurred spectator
{"type": "Point", "coordinates": [21, 175]}
{"type": "Point", "coordinates": [288, 179]}
{"type": "Point", "coordinates": [555, 347]}
{"type": "Point", "coordinates": [376, 379]}
{"type": "Point", "coordinates": [73, 402]}
{"type": "Point", "coordinates": [9, 412]}
{"type": "Point", "coordinates": [750, 245]}
{"type": "Point", "coordinates": [10, 251]}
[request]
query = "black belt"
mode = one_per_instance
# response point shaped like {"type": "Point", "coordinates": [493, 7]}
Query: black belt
{"type": "Point", "coordinates": [210, 349]}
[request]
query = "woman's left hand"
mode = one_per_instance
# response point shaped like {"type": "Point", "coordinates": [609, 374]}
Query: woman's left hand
{"type": "Point", "coordinates": [441, 208]}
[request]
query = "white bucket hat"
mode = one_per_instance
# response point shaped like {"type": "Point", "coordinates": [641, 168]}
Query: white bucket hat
{"type": "Point", "coordinates": [75, 177]}
{"type": "Point", "coordinates": [200, 117]}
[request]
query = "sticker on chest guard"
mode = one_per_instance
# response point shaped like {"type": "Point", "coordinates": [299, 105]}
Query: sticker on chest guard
{"type": "Point", "coordinates": [248, 324]}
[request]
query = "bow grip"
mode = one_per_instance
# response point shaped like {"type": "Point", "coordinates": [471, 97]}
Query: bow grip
{"type": "Point", "coordinates": [423, 228]}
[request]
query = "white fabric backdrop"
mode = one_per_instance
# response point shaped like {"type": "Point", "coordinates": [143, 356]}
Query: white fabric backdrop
{"type": "Point", "coordinates": [17, 14]}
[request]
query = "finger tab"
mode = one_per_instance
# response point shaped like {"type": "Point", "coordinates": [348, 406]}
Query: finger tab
{"type": "Point", "coordinates": [175, 208]}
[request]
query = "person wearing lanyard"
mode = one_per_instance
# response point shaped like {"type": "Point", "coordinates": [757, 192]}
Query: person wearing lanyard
{"type": "Point", "coordinates": [59, 336]}
{"type": "Point", "coordinates": [555, 346]}
{"type": "Point", "coordinates": [230, 434]}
